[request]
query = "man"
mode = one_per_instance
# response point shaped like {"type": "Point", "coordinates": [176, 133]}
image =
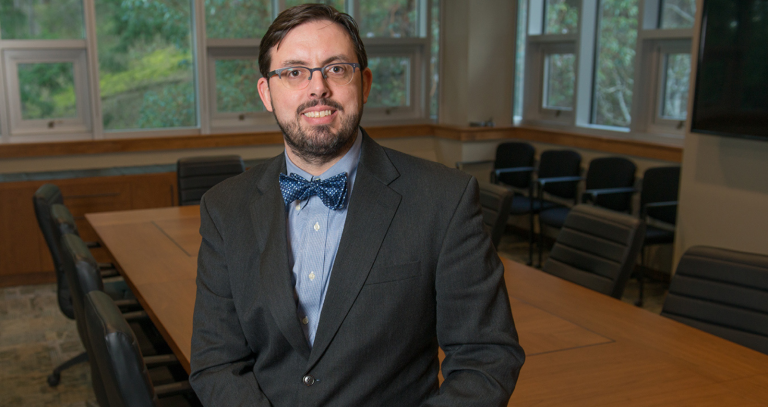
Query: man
{"type": "Point", "coordinates": [329, 275]}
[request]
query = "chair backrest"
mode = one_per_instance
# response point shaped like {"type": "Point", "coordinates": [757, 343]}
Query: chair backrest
{"type": "Point", "coordinates": [597, 248]}
{"type": "Point", "coordinates": [612, 172]}
{"type": "Point", "coordinates": [43, 199]}
{"type": "Point", "coordinates": [661, 184]}
{"type": "Point", "coordinates": [196, 175]}
{"type": "Point", "coordinates": [514, 154]}
{"type": "Point", "coordinates": [495, 201]}
{"type": "Point", "coordinates": [84, 277]}
{"type": "Point", "coordinates": [722, 292]}
{"type": "Point", "coordinates": [116, 351]}
{"type": "Point", "coordinates": [560, 163]}
{"type": "Point", "coordinates": [63, 221]}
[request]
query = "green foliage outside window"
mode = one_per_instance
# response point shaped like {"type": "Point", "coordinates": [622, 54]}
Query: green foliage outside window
{"type": "Point", "coordinates": [390, 82]}
{"type": "Point", "coordinates": [562, 16]}
{"type": "Point", "coordinates": [47, 90]}
{"type": "Point", "coordinates": [388, 18]}
{"type": "Point", "coordinates": [146, 64]}
{"type": "Point", "coordinates": [237, 18]}
{"type": "Point", "coordinates": [614, 78]}
{"type": "Point", "coordinates": [41, 19]}
{"type": "Point", "coordinates": [236, 86]}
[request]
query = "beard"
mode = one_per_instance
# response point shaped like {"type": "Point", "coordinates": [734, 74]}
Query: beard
{"type": "Point", "coordinates": [319, 144]}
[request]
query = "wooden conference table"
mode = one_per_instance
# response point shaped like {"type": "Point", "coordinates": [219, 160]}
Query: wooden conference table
{"type": "Point", "coordinates": [583, 348]}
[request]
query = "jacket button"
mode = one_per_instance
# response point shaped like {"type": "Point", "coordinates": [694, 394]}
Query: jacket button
{"type": "Point", "coordinates": [308, 380]}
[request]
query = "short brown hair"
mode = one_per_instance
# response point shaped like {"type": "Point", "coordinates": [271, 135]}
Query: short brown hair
{"type": "Point", "coordinates": [298, 15]}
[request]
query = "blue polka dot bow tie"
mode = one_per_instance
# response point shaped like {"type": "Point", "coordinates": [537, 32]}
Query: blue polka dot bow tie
{"type": "Point", "coordinates": [332, 191]}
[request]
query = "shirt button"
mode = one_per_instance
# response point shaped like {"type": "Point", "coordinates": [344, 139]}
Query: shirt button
{"type": "Point", "coordinates": [317, 226]}
{"type": "Point", "coordinates": [298, 206]}
{"type": "Point", "coordinates": [311, 276]}
{"type": "Point", "coordinates": [305, 320]}
{"type": "Point", "coordinates": [308, 380]}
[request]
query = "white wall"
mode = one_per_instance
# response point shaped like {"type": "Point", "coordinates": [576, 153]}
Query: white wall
{"type": "Point", "coordinates": [723, 194]}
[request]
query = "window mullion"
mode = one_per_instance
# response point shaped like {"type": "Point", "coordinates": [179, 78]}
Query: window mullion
{"type": "Point", "coordinates": [201, 69]}
{"type": "Point", "coordinates": [97, 126]}
{"type": "Point", "coordinates": [586, 54]}
{"type": "Point", "coordinates": [5, 122]}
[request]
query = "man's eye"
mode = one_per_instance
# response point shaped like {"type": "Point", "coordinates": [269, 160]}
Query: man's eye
{"type": "Point", "coordinates": [337, 69]}
{"type": "Point", "coordinates": [294, 73]}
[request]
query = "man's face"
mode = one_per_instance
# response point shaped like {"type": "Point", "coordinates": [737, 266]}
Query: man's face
{"type": "Point", "coordinates": [310, 132]}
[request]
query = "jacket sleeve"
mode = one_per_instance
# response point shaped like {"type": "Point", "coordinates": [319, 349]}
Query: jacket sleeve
{"type": "Point", "coordinates": [475, 328]}
{"type": "Point", "coordinates": [221, 361]}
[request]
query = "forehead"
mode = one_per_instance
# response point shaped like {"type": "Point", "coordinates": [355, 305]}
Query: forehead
{"type": "Point", "coordinates": [313, 42]}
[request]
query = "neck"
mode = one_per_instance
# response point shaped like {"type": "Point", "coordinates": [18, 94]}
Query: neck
{"type": "Point", "coordinates": [316, 165]}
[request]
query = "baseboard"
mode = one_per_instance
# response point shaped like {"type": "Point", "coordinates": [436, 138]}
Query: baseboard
{"type": "Point", "coordinates": [13, 280]}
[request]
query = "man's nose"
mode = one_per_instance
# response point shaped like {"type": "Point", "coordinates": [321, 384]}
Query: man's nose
{"type": "Point", "coordinates": [318, 86]}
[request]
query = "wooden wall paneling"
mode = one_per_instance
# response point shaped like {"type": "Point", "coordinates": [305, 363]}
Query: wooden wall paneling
{"type": "Point", "coordinates": [24, 255]}
{"type": "Point", "coordinates": [22, 246]}
{"type": "Point", "coordinates": [154, 191]}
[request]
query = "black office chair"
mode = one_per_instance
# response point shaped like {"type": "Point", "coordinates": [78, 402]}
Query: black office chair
{"type": "Point", "coordinates": [596, 248]}
{"type": "Point", "coordinates": [43, 200]}
{"type": "Point", "coordinates": [83, 277]}
{"type": "Point", "coordinates": [495, 201]}
{"type": "Point", "coordinates": [722, 292]}
{"type": "Point", "coordinates": [514, 168]}
{"type": "Point", "coordinates": [609, 184]}
{"type": "Point", "coordinates": [658, 202]}
{"type": "Point", "coordinates": [63, 223]}
{"type": "Point", "coordinates": [196, 175]}
{"type": "Point", "coordinates": [558, 177]}
{"type": "Point", "coordinates": [125, 376]}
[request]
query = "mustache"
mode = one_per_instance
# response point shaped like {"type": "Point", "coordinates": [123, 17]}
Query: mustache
{"type": "Point", "coordinates": [324, 102]}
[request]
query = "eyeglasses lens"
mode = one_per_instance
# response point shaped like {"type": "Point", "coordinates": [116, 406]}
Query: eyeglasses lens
{"type": "Point", "coordinates": [299, 77]}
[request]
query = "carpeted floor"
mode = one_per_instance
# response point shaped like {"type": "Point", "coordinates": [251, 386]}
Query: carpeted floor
{"type": "Point", "coordinates": [35, 337]}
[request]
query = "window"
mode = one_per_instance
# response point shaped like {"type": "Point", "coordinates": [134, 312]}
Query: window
{"type": "Point", "coordinates": [605, 67]}
{"type": "Point", "coordinates": [76, 69]}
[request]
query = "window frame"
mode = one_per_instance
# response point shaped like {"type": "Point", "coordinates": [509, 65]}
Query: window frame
{"type": "Point", "coordinates": [72, 51]}
{"type": "Point", "coordinates": [652, 43]}
{"type": "Point", "coordinates": [205, 52]}
{"type": "Point", "coordinates": [417, 49]}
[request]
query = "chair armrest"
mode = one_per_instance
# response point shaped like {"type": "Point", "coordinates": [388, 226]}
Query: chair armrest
{"type": "Point", "coordinates": [107, 273]}
{"type": "Point", "coordinates": [665, 204]}
{"type": "Point", "coordinates": [660, 204]}
{"type": "Point", "coordinates": [594, 193]}
{"type": "Point", "coordinates": [551, 180]}
{"type": "Point", "coordinates": [135, 316]}
{"type": "Point", "coordinates": [173, 389]}
{"type": "Point", "coordinates": [160, 360]}
{"type": "Point", "coordinates": [460, 164]}
{"type": "Point", "coordinates": [513, 169]}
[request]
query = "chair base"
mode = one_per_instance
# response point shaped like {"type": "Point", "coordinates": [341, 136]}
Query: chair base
{"type": "Point", "coordinates": [55, 377]}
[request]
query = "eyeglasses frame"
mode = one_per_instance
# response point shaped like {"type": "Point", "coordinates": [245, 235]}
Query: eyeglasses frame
{"type": "Point", "coordinates": [321, 69]}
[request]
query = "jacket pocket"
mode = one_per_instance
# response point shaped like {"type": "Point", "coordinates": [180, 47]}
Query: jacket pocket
{"type": "Point", "coordinates": [395, 272]}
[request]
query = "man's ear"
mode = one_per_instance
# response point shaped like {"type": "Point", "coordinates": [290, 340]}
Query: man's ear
{"type": "Point", "coordinates": [367, 80]}
{"type": "Point", "coordinates": [264, 94]}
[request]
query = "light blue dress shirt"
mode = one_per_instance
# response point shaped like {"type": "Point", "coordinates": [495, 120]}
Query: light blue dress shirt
{"type": "Point", "coordinates": [314, 232]}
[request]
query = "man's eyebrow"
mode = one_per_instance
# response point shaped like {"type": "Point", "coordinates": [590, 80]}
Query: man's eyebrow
{"type": "Point", "coordinates": [329, 60]}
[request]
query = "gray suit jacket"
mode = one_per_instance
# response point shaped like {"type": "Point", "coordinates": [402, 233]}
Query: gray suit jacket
{"type": "Point", "coordinates": [414, 271]}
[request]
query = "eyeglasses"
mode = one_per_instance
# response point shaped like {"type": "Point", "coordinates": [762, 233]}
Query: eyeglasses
{"type": "Point", "coordinates": [298, 77]}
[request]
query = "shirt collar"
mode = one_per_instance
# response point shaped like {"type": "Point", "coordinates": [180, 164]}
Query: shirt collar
{"type": "Point", "coordinates": [347, 164]}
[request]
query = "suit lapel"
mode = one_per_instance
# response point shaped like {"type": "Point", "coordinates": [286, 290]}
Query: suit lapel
{"type": "Point", "coordinates": [371, 209]}
{"type": "Point", "coordinates": [269, 224]}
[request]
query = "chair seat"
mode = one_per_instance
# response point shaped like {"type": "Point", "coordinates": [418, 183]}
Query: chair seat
{"type": "Point", "coordinates": [522, 204]}
{"type": "Point", "coordinates": [654, 235]}
{"type": "Point", "coordinates": [554, 217]}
